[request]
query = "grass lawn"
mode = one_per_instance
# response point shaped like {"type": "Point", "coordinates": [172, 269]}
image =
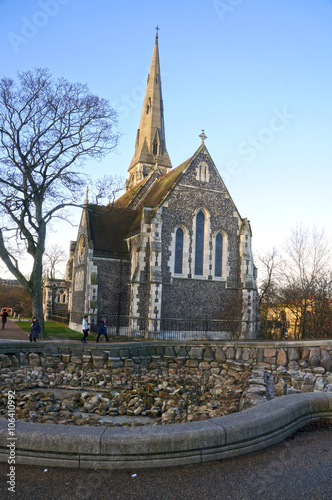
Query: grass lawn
{"type": "Point", "coordinates": [56, 330]}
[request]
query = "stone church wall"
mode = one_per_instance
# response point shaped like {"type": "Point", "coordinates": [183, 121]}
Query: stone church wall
{"type": "Point", "coordinates": [189, 297]}
{"type": "Point", "coordinates": [113, 290]}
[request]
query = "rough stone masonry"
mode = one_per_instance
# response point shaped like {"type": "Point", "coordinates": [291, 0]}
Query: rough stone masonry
{"type": "Point", "coordinates": [164, 382]}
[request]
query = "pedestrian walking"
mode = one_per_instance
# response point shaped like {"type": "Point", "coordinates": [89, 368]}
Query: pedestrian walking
{"type": "Point", "coordinates": [4, 314]}
{"type": "Point", "coordinates": [34, 330]}
{"type": "Point", "coordinates": [102, 329]}
{"type": "Point", "coordinates": [85, 328]}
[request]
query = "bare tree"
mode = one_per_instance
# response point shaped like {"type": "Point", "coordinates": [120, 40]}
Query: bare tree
{"type": "Point", "coordinates": [47, 129]}
{"type": "Point", "coordinates": [53, 256]}
{"type": "Point", "coordinates": [105, 190]}
{"type": "Point", "coordinates": [306, 283]}
{"type": "Point", "coordinates": [269, 269]}
{"type": "Point", "coordinates": [269, 266]}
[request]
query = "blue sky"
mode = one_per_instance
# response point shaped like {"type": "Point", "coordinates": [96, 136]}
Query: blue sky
{"type": "Point", "coordinates": [255, 75]}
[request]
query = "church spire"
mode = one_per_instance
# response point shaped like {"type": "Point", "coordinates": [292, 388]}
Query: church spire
{"type": "Point", "coordinates": [150, 147]}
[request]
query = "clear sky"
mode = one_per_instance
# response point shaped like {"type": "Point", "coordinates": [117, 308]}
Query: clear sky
{"type": "Point", "coordinates": [255, 75]}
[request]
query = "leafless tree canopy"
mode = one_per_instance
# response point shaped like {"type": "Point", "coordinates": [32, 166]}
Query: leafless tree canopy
{"type": "Point", "coordinates": [298, 287]}
{"type": "Point", "coordinates": [53, 256]}
{"type": "Point", "coordinates": [47, 130]}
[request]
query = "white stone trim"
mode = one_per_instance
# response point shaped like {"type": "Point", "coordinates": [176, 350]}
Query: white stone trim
{"type": "Point", "coordinates": [185, 255]}
{"type": "Point", "coordinates": [225, 256]}
{"type": "Point", "coordinates": [156, 272]}
{"type": "Point", "coordinates": [202, 172]}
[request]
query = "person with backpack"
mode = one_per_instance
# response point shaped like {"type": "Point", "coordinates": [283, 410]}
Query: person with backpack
{"type": "Point", "coordinates": [102, 329]}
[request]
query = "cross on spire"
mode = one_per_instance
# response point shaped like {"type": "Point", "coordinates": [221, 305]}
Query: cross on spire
{"type": "Point", "coordinates": [202, 136]}
{"type": "Point", "coordinates": [157, 29]}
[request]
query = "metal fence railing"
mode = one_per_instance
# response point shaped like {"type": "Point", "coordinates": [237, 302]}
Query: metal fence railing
{"type": "Point", "coordinates": [173, 328]}
{"type": "Point", "coordinates": [60, 317]}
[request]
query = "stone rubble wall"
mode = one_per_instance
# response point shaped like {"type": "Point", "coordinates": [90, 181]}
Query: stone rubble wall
{"type": "Point", "coordinates": [283, 369]}
{"type": "Point", "coordinates": [268, 371]}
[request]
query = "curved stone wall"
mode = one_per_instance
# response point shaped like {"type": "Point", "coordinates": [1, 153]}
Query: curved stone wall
{"type": "Point", "coordinates": [290, 364]}
{"type": "Point", "coordinates": [160, 446]}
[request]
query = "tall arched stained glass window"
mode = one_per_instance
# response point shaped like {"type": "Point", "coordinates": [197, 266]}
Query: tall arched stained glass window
{"type": "Point", "coordinates": [178, 251]}
{"type": "Point", "coordinates": [218, 256]}
{"type": "Point", "coordinates": [199, 247]}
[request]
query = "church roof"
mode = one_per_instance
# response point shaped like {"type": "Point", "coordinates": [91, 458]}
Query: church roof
{"type": "Point", "coordinates": [157, 194]}
{"type": "Point", "coordinates": [107, 228]}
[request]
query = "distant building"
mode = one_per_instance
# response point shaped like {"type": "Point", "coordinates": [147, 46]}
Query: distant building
{"type": "Point", "coordinates": [55, 299]}
{"type": "Point", "coordinates": [172, 255]}
{"type": "Point", "coordinates": [11, 282]}
{"type": "Point", "coordinates": [310, 317]}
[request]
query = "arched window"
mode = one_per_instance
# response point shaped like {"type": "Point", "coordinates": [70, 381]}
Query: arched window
{"type": "Point", "coordinates": [218, 256]}
{"type": "Point", "coordinates": [178, 251]}
{"type": "Point", "coordinates": [155, 148]}
{"type": "Point", "coordinates": [199, 246]}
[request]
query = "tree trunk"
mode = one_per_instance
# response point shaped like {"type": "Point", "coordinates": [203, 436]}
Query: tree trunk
{"type": "Point", "coordinates": [36, 278]}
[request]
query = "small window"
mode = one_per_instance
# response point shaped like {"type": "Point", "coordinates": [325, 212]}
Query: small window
{"type": "Point", "coordinates": [218, 255]}
{"type": "Point", "coordinates": [178, 251]}
{"type": "Point", "coordinates": [199, 247]}
{"type": "Point", "coordinates": [155, 148]}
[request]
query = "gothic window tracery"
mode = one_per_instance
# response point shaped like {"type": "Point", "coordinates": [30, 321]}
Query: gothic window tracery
{"type": "Point", "coordinates": [199, 246]}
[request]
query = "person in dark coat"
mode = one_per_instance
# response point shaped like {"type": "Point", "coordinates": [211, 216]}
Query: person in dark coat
{"type": "Point", "coordinates": [34, 329]}
{"type": "Point", "coordinates": [102, 329]}
{"type": "Point", "coordinates": [4, 315]}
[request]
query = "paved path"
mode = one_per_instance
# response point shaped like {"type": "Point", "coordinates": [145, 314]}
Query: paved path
{"type": "Point", "coordinates": [300, 468]}
{"type": "Point", "coordinates": [13, 332]}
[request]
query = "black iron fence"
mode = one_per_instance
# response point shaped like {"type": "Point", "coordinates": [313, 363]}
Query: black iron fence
{"type": "Point", "coordinates": [174, 328]}
{"type": "Point", "coordinates": [60, 317]}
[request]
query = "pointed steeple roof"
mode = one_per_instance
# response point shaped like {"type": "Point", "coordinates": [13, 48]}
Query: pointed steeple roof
{"type": "Point", "coordinates": [150, 147]}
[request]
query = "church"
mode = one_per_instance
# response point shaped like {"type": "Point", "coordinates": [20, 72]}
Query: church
{"type": "Point", "coordinates": [171, 258]}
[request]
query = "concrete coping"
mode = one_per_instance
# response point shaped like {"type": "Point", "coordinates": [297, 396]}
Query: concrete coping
{"type": "Point", "coordinates": [169, 445]}
{"type": "Point", "coordinates": [26, 346]}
